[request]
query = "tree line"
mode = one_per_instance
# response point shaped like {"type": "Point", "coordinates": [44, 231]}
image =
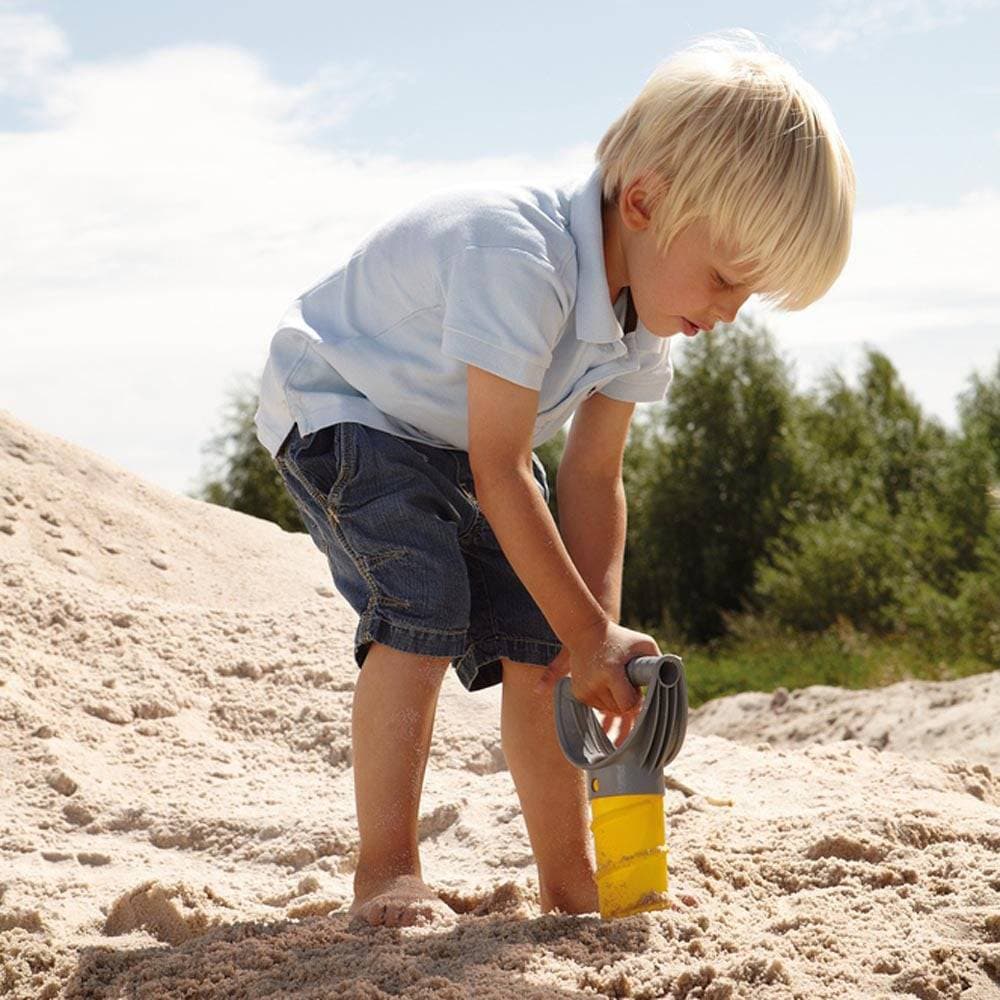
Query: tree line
{"type": "Point", "coordinates": [750, 502]}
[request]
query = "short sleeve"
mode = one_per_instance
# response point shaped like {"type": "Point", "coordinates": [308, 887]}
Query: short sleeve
{"type": "Point", "coordinates": [504, 311]}
{"type": "Point", "coordinates": [651, 382]}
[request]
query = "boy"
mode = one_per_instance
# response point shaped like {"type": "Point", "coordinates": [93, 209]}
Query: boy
{"type": "Point", "coordinates": [404, 393]}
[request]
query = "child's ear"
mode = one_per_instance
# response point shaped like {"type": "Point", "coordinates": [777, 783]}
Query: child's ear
{"type": "Point", "coordinates": [639, 198]}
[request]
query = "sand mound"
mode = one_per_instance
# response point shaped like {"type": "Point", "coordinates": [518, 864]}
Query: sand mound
{"type": "Point", "coordinates": [937, 720]}
{"type": "Point", "coordinates": [178, 812]}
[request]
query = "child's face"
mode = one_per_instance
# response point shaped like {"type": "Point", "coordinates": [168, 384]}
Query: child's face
{"type": "Point", "coordinates": [683, 284]}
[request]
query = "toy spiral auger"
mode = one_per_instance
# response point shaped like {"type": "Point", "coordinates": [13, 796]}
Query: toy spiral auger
{"type": "Point", "coordinates": [625, 784]}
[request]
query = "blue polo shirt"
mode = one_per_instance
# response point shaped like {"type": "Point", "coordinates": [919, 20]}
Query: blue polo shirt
{"type": "Point", "coordinates": [509, 278]}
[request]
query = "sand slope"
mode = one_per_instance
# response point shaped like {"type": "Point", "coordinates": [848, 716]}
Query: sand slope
{"type": "Point", "coordinates": [178, 813]}
{"type": "Point", "coordinates": [930, 719]}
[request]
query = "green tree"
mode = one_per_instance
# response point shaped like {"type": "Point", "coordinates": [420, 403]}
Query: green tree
{"type": "Point", "coordinates": [716, 479]}
{"type": "Point", "coordinates": [240, 473]}
{"type": "Point", "coordinates": [871, 442]}
{"type": "Point", "coordinates": [889, 519]}
{"type": "Point", "coordinates": [979, 412]}
{"type": "Point", "coordinates": [849, 565]}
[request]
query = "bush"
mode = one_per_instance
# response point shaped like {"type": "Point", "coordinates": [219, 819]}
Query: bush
{"type": "Point", "coordinates": [241, 474]}
{"type": "Point", "coordinates": [715, 472]}
{"type": "Point", "coordinates": [979, 411]}
{"type": "Point", "coordinates": [978, 599]}
{"type": "Point", "coordinates": [849, 565]}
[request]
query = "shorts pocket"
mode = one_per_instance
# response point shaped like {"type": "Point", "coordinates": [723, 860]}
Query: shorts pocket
{"type": "Point", "coordinates": [325, 461]}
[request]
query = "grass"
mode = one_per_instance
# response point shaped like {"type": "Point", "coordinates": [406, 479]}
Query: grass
{"type": "Point", "coordinates": [840, 657]}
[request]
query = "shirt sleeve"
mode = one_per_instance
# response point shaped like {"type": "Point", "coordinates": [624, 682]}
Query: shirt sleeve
{"type": "Point", "coordinates": [504, 311]}
{"type": "Point", "coordinates": [652, 380]}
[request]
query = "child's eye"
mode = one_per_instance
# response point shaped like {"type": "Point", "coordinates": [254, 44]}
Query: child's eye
{"type": "Point", "coordinates": [721, 282]}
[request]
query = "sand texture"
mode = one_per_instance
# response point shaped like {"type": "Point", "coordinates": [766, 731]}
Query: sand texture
{"type": "Point", "coordinates": [177, 813]}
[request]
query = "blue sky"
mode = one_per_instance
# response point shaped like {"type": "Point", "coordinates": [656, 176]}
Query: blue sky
{"type": "Point", "coordinates": [173, 175]}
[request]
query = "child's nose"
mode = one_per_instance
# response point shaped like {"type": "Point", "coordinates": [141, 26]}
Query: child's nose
{"type": "Point", "coordinates": [728, 308]}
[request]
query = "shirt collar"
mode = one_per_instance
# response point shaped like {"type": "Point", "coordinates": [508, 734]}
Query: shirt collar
{"type": "Point", "coordinates": [596, 321]}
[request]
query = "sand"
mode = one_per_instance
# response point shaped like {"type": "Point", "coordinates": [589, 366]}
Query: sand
{"type": "Point", "coordinates": [178, 814]}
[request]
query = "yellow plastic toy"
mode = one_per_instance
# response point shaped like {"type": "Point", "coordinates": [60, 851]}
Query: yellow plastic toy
{"type": "Point", "coordinates": [625, 784]}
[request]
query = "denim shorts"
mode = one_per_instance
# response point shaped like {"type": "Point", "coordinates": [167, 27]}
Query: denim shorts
{"type": "Point", "coordinates": [411, 551]}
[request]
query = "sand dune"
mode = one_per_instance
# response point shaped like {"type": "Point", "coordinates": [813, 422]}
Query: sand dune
{"type": "Point", "coordinates": [178, 814]}
{"type": "Point", "coordinates": [936, 720]}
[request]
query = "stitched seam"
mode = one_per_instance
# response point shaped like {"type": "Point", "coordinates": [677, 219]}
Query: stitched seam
{"type": "Point", "coordinates": [408, 316]}
{"type": "Point", "coordinates": [313, 492]}
{"type": "Point", "coordinates": [296, 472]}
{"type": "Point", "coordinates": [501, 636]}
{"type": "Point", "coordinates": [376, 598]}
{"type": "Point", "coordinates": [475, 528]}
{"type": "Point", "coordinates": [348, 467]}
{"type": "Point", "coordinates": [530, 639]}
{"type": "Point", "coordinates": [415, 629]}
{"type": "Point", "coordinates": [527, 359]}
{"type": "Point", "coordinates": [547, 264]}
{"type": "Point", "coordinates": [342, 475]}
{"type": "Point", "coordinates": [289, 473]}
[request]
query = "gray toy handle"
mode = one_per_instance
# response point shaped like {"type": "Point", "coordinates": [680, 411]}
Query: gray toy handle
{"type": "Point", "coordinates": [641, 670]}
{"type": "Point", "coordinates": [636, 767]}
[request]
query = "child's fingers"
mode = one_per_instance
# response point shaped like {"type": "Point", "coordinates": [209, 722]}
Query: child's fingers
{"type": "Point", "coordinates": [623, 696]}
{"type": "Point", "coordinates": [626, 728]}
{"type": "Point", "coordinates": [559, 667]}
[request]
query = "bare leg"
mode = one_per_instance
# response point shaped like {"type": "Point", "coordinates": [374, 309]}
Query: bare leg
{"type": "Point", "coordinates": [395, 699]}
{"type": "Point", "coordinates": [553, 794]}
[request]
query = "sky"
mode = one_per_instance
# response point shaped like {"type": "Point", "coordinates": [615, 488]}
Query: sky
{"type": "Point", "coordinates": [173, 175]}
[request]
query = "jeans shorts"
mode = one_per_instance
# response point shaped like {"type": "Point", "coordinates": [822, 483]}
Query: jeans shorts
{"type": "Point", "coordinates": [411, 551]}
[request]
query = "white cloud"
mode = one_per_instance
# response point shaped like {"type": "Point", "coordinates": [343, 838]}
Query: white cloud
{"type": "Point", "coordinates": [843, 21]}
{"type": "Point", "coordinates": [921, 286]}
{"type": "Point", "coordinates": [915, 265]}
{"type": "Point", "coordinates": [30, 47]}
{"type": "Point", "coordinates": [158, 223]}
{"type": "Point", "coordinates": [169, 207]}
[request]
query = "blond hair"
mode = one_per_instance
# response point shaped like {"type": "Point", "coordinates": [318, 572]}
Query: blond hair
{"type": "Point", "coordinates": [734, 134]}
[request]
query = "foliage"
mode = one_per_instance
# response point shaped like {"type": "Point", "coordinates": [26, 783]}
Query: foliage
{"type": "Point", "coordinates": [713, 478]}
{"type": "Point", "coordinates": [241, 474]}
{"type": "Point", "coordinates": [979, 412]}
{"type": "Point", "coordinates": [849, 565]}
{"type": "Point", "coordinates": [893, 523]}
{"type": "Point", "coordinates": [841, 511]}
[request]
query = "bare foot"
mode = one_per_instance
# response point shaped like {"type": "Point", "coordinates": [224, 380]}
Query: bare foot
{"type": "Point", "coordinates": [398, 902]}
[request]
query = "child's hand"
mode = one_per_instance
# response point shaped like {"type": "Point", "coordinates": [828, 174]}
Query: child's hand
{"type": "Point", "coordinates": [559, 667]}
{"type": "Point", "coordinates": [596, 664]}
{"type": "Point", "coordinates": [625, 723]}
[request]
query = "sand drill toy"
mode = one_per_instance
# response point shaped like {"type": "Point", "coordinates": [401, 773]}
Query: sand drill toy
{"type": "Point", "coordinates": [625, 784]}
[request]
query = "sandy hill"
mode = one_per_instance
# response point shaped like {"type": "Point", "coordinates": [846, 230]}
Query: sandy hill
{"type": "Point", "coordinates": [178, 812]}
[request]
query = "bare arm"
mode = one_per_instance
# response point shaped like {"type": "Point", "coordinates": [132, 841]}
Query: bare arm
{"type": "Point", "coordinates": [595, 648]}
{"type": "Point", "coordinates": [592, 521]}
{"type": "Point", "coordinates": [501, 419]}
{"type": "Point", "coordinates": [592, 504]}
